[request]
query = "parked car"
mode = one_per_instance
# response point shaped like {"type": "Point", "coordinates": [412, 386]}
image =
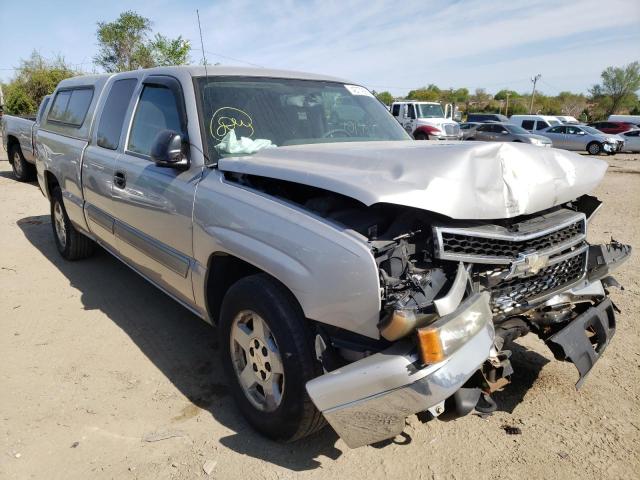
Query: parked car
{"type": "Point", "coordinates": [426, 120]}
{"type": "Point", "coordinates": [486, 117]}
{"type": "Point", "coordinates": [467, 128]}
{"type": "Point", "coordinates": [506, 132]}
{"type": "Point", "coordinates": [18, 139]}
{"type": "Point", "coordinates": [612, 127]}
{"type": "Point", "coordinates": [631, 141]}
{"type": "Point", "coordinates": [634, 119]}
{"type": "Point", "coordinates": [352, 273]}
{"type": "Point", "coordinates": [568, 119]}
{"type": "Point", "coordinates": [534, 122]}
{"type": "Point", "coordinates": [583, 138]}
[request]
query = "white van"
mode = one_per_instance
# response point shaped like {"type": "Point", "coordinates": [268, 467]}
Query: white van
{"type": "Point", "coordinates": [534, 122]}
{"type": "Point", "coordinates": [635, 119]}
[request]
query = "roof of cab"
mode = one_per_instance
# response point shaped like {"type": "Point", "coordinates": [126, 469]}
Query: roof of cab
{"type": "Point", "coordinates": [199, 71]}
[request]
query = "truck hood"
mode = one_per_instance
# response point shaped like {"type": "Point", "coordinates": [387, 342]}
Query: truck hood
{"type": "Point", "coordinates": [460, 180]}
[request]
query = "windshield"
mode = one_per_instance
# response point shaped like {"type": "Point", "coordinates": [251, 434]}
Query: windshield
{"type": "Point", "coordinates": [516, 129]}
{"type": "Point", "coordinates": [427, 110]}
{"type": "Point", "coordinates": [591, 130]}
{"type": "Point", "coordinates": [554, 122]}
{"type": "Point", "coordinates": [245, 114]}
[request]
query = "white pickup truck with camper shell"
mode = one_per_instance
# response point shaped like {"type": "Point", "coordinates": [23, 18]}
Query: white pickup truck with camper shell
{"type": "Point", "coordinates": [18, 139]}
{"type": "Point", "coordinates": [534, 122]}
{"type": "Point", "coordinates": [354, 275]}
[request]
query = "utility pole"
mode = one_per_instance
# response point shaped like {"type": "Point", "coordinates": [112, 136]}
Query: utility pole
{"type": "Point", "coordinates": [533, 93]}
{"type": "Point", "coordinates": [506, 110]}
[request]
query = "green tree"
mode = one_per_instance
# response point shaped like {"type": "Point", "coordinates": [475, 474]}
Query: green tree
{"type": "Point", "coordinates": [619, 85]}
{"type": "Point", "coordinates": [124, 45]}
{"type": "Point", "coordinates": [384, 97]}
{"type": "Point", "coordinates": [35, 78]}
{"type": "Point", "coordinates": [502, 95]}
{"type": "Point", "coordinates": [167, 51]}
{"type": "Point", "coordinates": [430, 93]}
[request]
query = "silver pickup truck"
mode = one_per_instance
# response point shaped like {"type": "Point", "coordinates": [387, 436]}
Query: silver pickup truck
{"type": "Point", "coordinates": [354, 275]}
{"type": "Point", "coordinates": [18, 139]}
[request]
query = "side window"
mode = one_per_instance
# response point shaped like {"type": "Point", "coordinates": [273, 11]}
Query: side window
{"type": "Point", "coordinates": [113, 113]}
{"type": "Point", "coordinates": [412, 111]}
{"type": "Point", "coordinates": [396, 110]}
{"type": "Point", "coordinates": [484, 128]}
{"type": "Point", "coordinates": [541, 124]}
{"type": "Point", "coordinates": [43, 107]}
{"type": "Point", "coordinates": [572, 130]}
{"type": "Point", "coordinates": [157, 110]}
{"type": "Point", "coordinates": [555, 130]}
{"type": "Point", "coordinates": [59, 105]}
{"type": "Point", "coordinates": [634, 133]}
{"type": "Point", "coordinates": [501, 129]}
{"type": "Point", "coordinates": [527, 124]}
{"type": "Point", "coordinates": [71, 106]}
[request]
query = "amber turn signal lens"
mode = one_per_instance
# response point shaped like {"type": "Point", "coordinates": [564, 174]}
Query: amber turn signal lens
{"type": "Point", "coordinates": [430, 346]}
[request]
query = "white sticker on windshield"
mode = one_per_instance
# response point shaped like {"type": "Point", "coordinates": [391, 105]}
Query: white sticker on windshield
{"type": "Point", "coordinates": [357, 90]}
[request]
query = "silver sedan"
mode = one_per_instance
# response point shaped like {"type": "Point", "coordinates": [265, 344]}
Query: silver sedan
{"type": "Point", "coordinates": [506, 132]}
{"type": "Point", "coordinates": [583, 138]}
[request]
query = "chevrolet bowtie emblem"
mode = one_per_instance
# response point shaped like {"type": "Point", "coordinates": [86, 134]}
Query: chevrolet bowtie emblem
{"type": "Point", "coordinates": [528, 264]}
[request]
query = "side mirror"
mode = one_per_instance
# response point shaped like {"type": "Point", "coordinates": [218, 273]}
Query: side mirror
{"type": "Point", "coordinates": [505, 132]}
{"type": "Point", "coordinates": [170, 150]}
{"type": "Point", "coordinates": [581, 133]}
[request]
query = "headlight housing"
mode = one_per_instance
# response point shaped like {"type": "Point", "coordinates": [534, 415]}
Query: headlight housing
{"type": "Point", "coordinates": [441, 339]}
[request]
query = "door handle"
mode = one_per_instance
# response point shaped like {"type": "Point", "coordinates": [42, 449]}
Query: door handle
{"type": "Point", "coordinates": [120, 180]}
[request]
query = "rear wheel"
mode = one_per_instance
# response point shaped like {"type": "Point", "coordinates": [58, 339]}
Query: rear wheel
{"type": "Point", "coordinates": [268, 357]}
{"type": "Point", "coordinates": [71, 244]}
{"type": "Point", "coordinates": [23, 170]}
{"type": "Point", "coordinates": [594, 148]}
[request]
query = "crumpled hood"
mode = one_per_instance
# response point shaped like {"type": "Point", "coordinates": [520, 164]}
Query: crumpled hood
{"type": "Point", "coordinates": [462, 180]}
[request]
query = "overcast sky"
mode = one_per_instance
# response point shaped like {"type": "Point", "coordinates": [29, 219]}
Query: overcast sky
{"type": "Point", "coordinates": [385, 45]}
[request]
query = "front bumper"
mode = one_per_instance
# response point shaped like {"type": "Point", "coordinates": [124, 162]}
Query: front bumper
{"type": "Point", "coordinates": [585, 338]}
{"type": "Point", "coordinates": [369, 400]}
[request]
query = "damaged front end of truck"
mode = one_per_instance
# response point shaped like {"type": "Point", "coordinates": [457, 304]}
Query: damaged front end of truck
{"type": "Point", "coordinates": [475, 246]}
{"type": "Point", "coordinates": [455, 296]}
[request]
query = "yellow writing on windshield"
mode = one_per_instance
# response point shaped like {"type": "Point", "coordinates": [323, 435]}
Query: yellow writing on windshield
{"type": "Point", "coordinates": [226, 119]}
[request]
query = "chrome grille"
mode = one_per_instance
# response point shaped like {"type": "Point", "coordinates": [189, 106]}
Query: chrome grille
{"type": "Point", "coordinates": [493, 247]}
{"type": "Point", "coordinates": [494, 244]}
{"type": "Point", "coordinates": [512, 295]}
{"type": "Point", "coordinates": [451, 129]}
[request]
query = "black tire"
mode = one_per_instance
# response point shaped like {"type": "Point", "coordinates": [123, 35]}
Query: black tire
{"type": "Point", "coordinates": [594, 148]}
{"type": "Point", "coordinates": [295, 416]}
{"type": "Point", "coordinates": [71, 244]}
{"type": "Point", "coordinates": [420, 136]}
{"type": "Point", "coordinates": [22, 170]}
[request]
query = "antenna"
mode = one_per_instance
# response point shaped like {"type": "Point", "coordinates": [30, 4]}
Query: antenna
{"type": "Point", "coordinates": [206, 75]}
{"type": "Point", "coordinates": [204, 58]}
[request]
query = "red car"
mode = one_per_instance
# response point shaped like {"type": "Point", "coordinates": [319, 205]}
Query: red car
{"type": "Point", "coordinates": [612, 127]}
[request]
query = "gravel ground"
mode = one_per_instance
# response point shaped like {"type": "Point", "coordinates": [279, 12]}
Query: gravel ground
{"type": "Point", "coordinates": [103, 376]}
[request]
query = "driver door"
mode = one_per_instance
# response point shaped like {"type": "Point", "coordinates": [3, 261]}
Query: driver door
{"type": "Point", "coordinates": [153, 204]}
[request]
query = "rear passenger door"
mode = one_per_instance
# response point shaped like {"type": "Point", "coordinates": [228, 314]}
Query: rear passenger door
{"type": "Point", "coordinates": [153, 204]}
{"type": "Point", "coordinates": [100, 158]}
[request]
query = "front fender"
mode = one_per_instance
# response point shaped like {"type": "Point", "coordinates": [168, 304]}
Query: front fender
{"type": "Point", "coordinates": [330, 270]}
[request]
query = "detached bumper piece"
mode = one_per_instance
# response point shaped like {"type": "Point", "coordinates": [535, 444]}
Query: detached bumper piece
{"type": "Point", "coordinates": [368, 401]}
{"type": "Point", "coordinates": [584, 340]}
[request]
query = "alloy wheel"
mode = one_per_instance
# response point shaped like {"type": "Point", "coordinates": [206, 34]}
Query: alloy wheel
{"type": "Point", "coordinates": [257, 361]}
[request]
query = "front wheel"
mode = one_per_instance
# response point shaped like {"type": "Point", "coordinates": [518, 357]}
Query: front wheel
{"type": "Point", "coordinates": [22, 170]}
{"type": "Point", "coordinates": [421, 136]}
{"type": "Point", "coordinates": [268, 357]}
{"type": "Point", "coordinates": [594, 148]}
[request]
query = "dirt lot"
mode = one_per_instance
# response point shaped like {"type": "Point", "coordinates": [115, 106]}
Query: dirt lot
{"type": "Point", "coordinates": [103, 376]}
